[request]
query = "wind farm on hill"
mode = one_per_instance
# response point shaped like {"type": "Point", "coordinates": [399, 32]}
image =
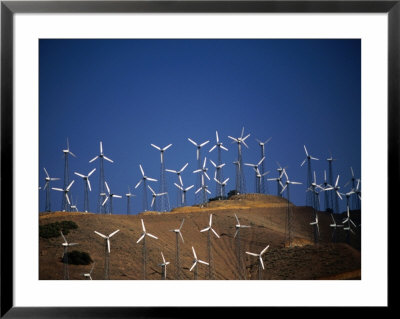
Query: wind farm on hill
{"type": "Point", "coordinates": [235, 235]}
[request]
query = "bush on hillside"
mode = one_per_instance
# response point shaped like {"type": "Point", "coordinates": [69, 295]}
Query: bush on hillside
{"type": "Point", "coordinates": [77, 257]}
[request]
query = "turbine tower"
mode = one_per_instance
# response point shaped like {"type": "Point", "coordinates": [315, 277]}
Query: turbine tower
{"type": "Point", "coordinates": [309, 196]}
{"type": "Point", "coordinates": [87, 188]}
{"type": "Point", "coordinates": [102, 193]}
{"type": "Point", "coordinates": [315, 197]}
{"type": "Point", "coordinates": [88, 276]}
{"type": "Point", "coordinates": [144, 179]}
{"type": "Point", "coordinates": [177, 256]}
{"type": "Point", "coordinates": [66, 206]}
{"type": "Point", "coordinates": [195, 264]}
{"type": "Point", "coordinates": [164, 204]}
{"type": "Point", "coordinates": [66, 244]}
{"type": "Point", "coordinates": [260, 261]}
{"type": "Point", "coordinates": [264, 186]}
{"type": "Point", "coordinates": [278, 179]}
{"type": "Point", "coordinates": [110, 196]}
{"type": "Point", "coordinates": [222, 188]}
{"type": "Point", "coordinates": [288, 229]}
{"type": "Point", "coordinates": [155, 197]}
{"type": "Point", "coordinates": [348, 220]}
{"type": "Point", "coordinates": [336, 195]}
{"type": "Point", "coordinates": [178, 173]}
{"type": "Point", "coordinates": [354, 198]}
{"type": "Point", "coordinates": [332, 203]}
{"type": "Point", "coordinates": [334, 226]}
{"type": "Point", "coordinates": [327, 202]}
{"type": "Point", "coordinates": [239, 256]}
{"type": "Point", "coordinates": [144, 252]}
{"type": "Point", "coordinates": [257, 173]}
{"type": "Point", "coordinates": [241, 182]}
{"type": "Point", "coordinates": [209, 247]}
{"type": "Point", "coordinates": [219, 165]}
{"type": "Point", "coordinates": [183, 192]}
{"type": "Point", "coordinates": [128, 201]}
{"type": "Point", "coordinates": [46, 187]}
{"type": "Point", "coordinates": [199, 161]}
{"type": "Point", "coordinates": [205, 190]}
{"type": "Point", "coordinates": [217, 176]}
{"type": "Point", "coordinates": [107, 251]}
{"type": "Point", "coordinates": [163, 267]}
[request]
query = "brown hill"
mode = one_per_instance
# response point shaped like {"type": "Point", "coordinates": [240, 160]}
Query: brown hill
{"type": "Point", "coordinates": [266, 214]}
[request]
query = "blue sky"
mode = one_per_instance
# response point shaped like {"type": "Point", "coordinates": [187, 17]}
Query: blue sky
{"type": "Point", "coordinates": [131, 93]}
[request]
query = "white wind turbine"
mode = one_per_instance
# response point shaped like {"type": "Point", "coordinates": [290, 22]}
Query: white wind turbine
{"type": "Point", "coordinates": [218, 176]}
{"type": "Point", "coordinates": [259, 179]}
{"type": "Point", "coordinates": [144, 234]}
{"type": "Point", "coordinates": [177, 257]}
{"type": "Point", "coordinates": [153, 201]}
{"type": "Point", "coordinates": [260, 261]}
{"type": "Point", "coordinates": [309, 176]}
{"type": "Point", "coordinates": [88, 276]}
{"type": "Point", "coordinates": [87, 188]}
{"type": "Point", "coordinates": [65, 245]}
{"type": "Point", "coordinates": [240, 182]}
{"type": "Point", "coordinates": [65, 206]}
{"type": "Point", "coordinates": [128, 200]}
{"type": "Point", "coordinates": [316, 225]}
{"type": "Point", "coordinates": [74, 205]}
{"type": "Point", "coordinates": [199, 160]}
{"type": "Point", "coordinates": [66, 190]}
{"type": "Point", "coordinates": [219, 172]}
{"type": "Point", "coordinates": [335, 188]}
{"type": "Point", "coordinates": [163, 267]}
{"type": "Point", "coordinates": [257, 172]}
{"type": "Point", "coordinates": [263, 189]}
{"type": "Point", "coordinates": [205, 190]}
{"type": "Point", "coordinates": [289, 210]}
{"type": "Point", "coordinates": [209, 229]}
{"type": "Point", "coordinates": [203, 169]}
{"type": "Point", "coordinates": [348, 220]}
{"type": "Point", "coordinates": [183, 191]}
{"type": "Point", "coordinates": [222, 188]}
{"type": "Point", "coordinates": [164, 204]}
{"type": "Point", "coordinates": [278, 179]}
{"type": "Point", "coordinates": [238, 226]}
{"type": "Point", "coordinates": [195, 264]}
{"type": "Point", "coordinates": [107, 251]}
{"type": "Point", "coordinates": [178, 173]}
{"type": "Point", "coordinates": [46, 187]}
{"type": "Point", "coordinates": [110, 196]}
{"type": "Point", "coordinates": [144, 179]}
{"type": "Point", "coordinates": [102, 193]}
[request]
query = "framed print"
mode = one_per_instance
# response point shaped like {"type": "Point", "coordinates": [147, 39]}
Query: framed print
{"type": "Point", "coordinates": [150, 146]}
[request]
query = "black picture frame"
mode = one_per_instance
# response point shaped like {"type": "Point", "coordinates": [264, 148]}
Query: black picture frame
{"type": "Point", "coordinates": [9, 8]}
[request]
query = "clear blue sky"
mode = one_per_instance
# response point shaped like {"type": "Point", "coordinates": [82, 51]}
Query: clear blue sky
{"type": "Point", "coordinates": [131, 93]}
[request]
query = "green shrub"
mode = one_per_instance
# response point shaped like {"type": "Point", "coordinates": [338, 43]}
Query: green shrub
{"type": "Point", "coordinates": [53, 229]}
{"type": "Point", "coordinates": [76, 257]}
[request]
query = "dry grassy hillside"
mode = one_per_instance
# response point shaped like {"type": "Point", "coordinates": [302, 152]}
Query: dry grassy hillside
{"type": "Point", "coordinates": [266, 214]}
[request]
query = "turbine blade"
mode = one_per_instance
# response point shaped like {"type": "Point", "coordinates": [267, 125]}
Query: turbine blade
{"type": "Point", "coordinates": [194, 264]}
{"type": "Point", "coordinates": [108, 188]}
{"type": "Point", "coordinates": [180, 227]}
{"type": "Point", "coordinates": [167, 147]}
{"type": "Point", "coordinates": [181, 236]}
{"type": "Point", "coordinates": [141, 237]}
{"type": "Point", "coordinates": [191, 141]}
{"type": "Point", "coordinates": [80, 175]}
{"type": "Point", "coordinates": [306, 150]}
{"type": "Point", "coordinates": [101, 235]}
{"type": "Point", "coordinates": [203, 262]}
{"type": "Point", "coordinates": [105, 201]}
{"type": "Point", "coordinates": [215, 233]}
{"type": "Point", "coordinates": [156, 147]}
{"type": "Point", "coordinates": [101, 147]}
{"type": "Point", "coordinates": [206, 142]}
{"type": "Point", "coordinates": [182, 169]}
{"type": "Point", "coordinates": [262, 263]}
{"type": "Point", "coordinates": [66, 196]}
{"type": "Point", "coordinates": [224, 148]}
{"type": "Point", "coordinates": [93, 159]}
{"type": "Point", "coordinates": [137, 185]}
{"type": "Point", "coordinates": [108, 245]}
{"type": "Point", "coordinates": [151, 179]}
{"type": "Point", "coordinates": [253, 254]}
{"type": "Point", "coordinates": [237, 230]}
{"type": "Point", "coordinates": [47, 174]}
{"type": "Point", "coordinates": [88, 182]}
{"type": "Point", "coordinates": [194, 253]}
{"type": "Point", "coordinates": [113, 233]}
{"type": "Point", "coordinates": [151, 189]}
{"type": "Point", "coordinates": [65, 240]}
{"type": "Point", "coordinates": [108, 159]}
{"type": "Point", "coordinates": [216, 135]}
{"type": "Point", "coordinates": [141, 169]}
{"type": "Point", "coordinates": [237, 219]}
{"type": "Point", "coordinates": [91, 172]}
{"type": "Point", "coordinates": [69, 186]}
{"type": "Point", "coordinates": [144, 228]}
{"type": "Point", "coordinates": [264, 250]}
{"type": "Point", "coordinates": [148, 234]}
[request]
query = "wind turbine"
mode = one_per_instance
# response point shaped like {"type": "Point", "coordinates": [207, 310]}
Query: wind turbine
{"type": "Point", "coordinates": [88, 276]}
{"type": "Point", "coordinates": [110, 196]}
{"type": "Point", "coordinates": [289, 210]}
{"type": "Point", "coordinates": [155, 196]}
{"type": "Point", "coordinates": [325, 185]}
{"type": "Point", "coordinates": [353, 187]}
{"type": "Point", "coordinates": [102, 193]}
{"type": "Point", "coordinates": [164, 205]}
{"type": "Point", "coordinates": [144, 179]}
{"type": "Point", "coordinates": [195, 264]}
{"type": "Point", "coordinates": [260, 261]}
{"type": "Point", "coordinates": [178, 173]}
{"type": "Point", "coordinates": [240, 175]}
{"type": "Point", "coordinates": [163, 267]}
{"type": "Point", "coordinates": [259, 179]}
{"type": "Point", "coordinates": [66, 198]}
{"type": "Point", "coordinates": [177, 258]}
{"type": "Point", "coordinates": [257, 172]}
{"type": "Point", "coordinates": [46, 187]}
{"type": "Point", "coordinates": [128, 200]}
{"type": "Point", "coordinates": [358, 193]}
{"type": "Point", "coordinates": [87, 188]}
{"type": "Point", "coordinates": [348, 220]}
{"type": "Point", "coordinates": [278, 179]}
{"type": "Point", "coordinates": [313, 188]}
{"type": "Point", "coordinates": [309, 177]}
{"type": "Point", "coordinates": [74, 206]}
{"type": "Point", "coordinates": [183, 191]}
{"type": "Point", "coordinates": [205, 190]}
{"type": "Point", "coordinates": [218, 176]}
{"type": "Point", "coordinates": [334, 225]}
{"type": "Point", "coordinates": [107, 252]}
{"type": "Point", "coordinates": [208, 229]}
{"type": "Point", "coordinates": [222, 189]}
{"type": "Point", "coordinates": [66, 244]}
{"type": "Point", "coordinates": [264, 187]}
{"type": "Point", "coordinates": [316, 228]}
{"type": "Point", "coordinates": [219, 165]}
{"type": "Point", "coordinates": [335, 188]}
{"type": "Point", "coordinates": [144, 234]}
{"type": "Point", "coordinates": [199, 162]}
{"type": "Point", "coordinates": [65, 206]}
{"type": "Point", "coordinates": [332, 204]}
{"type": "Point", "coordinates": [238, 226]}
